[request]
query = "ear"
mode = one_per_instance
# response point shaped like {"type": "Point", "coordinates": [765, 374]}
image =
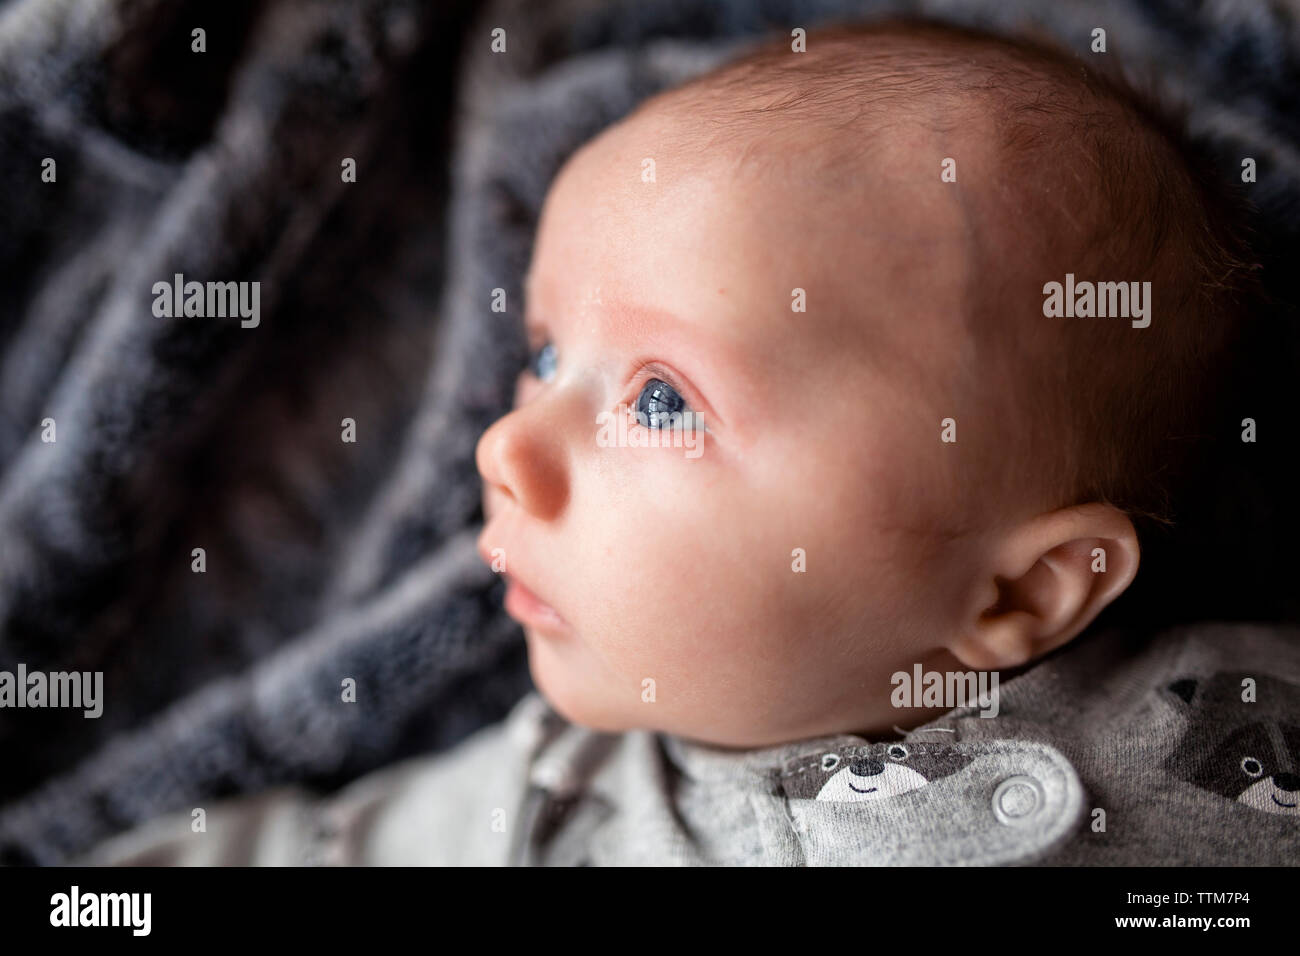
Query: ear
{"type": "Point", "coordinates": [1036, 588]}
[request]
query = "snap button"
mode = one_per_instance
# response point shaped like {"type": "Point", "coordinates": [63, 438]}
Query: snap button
{"type": "Point", "coordinates": [1017, 799]}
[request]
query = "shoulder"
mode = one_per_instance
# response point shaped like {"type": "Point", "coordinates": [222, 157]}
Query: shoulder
{"type": "Point", "coordinates": [457, 808]}
{"type": "Point", "coordinates": [266, 828]}
{"type": "Point", "coordinates": [1113, 677]}
{"type": "Point", "coordinates": [1188, 742]}
{"type": "Point", "coordinates": [446, 808]}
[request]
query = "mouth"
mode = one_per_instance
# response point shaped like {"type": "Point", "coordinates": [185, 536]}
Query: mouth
{"type": "Point", "coordinates": [528, 609]}
{"type": "Point", "coordinates": [860, 790]}
{"type": "Point", "coordinates": [1290, 806]}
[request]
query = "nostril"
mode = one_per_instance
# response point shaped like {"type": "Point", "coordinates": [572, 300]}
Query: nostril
{"type": "Point", "coordinates": [499, 494]}
{"type": "Point", "coordinates": [1287, 781]}
{"type": "Point", "coordinates": [867, 767]}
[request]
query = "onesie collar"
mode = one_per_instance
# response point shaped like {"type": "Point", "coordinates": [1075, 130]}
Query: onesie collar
{"type": "Point", "coordinates": [707, 762]}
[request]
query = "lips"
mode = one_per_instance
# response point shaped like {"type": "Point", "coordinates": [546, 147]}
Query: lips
{"type": "Point", "coordinates": [527, 608]}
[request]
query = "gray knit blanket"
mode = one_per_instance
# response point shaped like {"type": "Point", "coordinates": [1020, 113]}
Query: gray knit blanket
{"type": "Point", "coordinates": [326, 561]}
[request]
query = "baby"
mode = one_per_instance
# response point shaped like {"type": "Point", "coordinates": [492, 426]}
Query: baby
{"type": "Point", "coordinates": [856, 374]}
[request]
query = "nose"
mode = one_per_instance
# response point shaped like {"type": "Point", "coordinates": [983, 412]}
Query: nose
{"type": "Point", "coordinates": [1289, 782]}
{"type": "Point", "coordinates": [867, 767]}
{"type": "Point", "coordinates": [522, 457]}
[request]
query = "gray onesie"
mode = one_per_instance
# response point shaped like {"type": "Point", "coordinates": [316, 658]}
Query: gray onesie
{"type": "Point", "coordinates": [1182, 749]}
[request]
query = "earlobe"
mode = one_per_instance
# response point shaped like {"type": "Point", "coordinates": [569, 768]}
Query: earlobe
{"type": "Point", "coordinates": [1044, 582]}
{"type": "Point", "coordinates": [1000, 641]}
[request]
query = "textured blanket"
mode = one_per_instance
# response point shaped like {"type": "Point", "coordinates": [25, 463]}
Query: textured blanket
{"type": "Point", "coordinates": [181, 507]}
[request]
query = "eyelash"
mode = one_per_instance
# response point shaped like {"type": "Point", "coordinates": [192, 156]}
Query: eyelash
{"type": "Point", "coordinates": [647, 371]}
{"type": "Point", "coordinates": [534, 355]}
{"type": "Point", "coordinates": [644, 372]}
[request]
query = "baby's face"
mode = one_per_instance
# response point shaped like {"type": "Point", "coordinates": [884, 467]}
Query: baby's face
{"type": "Point", "coordinates": [763, 586]}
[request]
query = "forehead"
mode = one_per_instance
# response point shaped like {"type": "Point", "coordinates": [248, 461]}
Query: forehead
{"type": "Point", "coordinates": [723, 235]}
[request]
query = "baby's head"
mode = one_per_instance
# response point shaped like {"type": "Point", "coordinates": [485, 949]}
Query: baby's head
{"type": "Point", "coordinates": [837, 260]}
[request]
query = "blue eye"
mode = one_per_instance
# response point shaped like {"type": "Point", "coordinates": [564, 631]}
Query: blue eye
{"type": "Point", "coordinates": [657, 403]}
{"type": "Point", "coordinates": [541, 362]}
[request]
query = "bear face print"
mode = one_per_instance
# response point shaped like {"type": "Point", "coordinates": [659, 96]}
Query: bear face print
{"type": "Point", "coordinates": [871, 773]}
{"type": "Point", "coordinates": [1242, 750]}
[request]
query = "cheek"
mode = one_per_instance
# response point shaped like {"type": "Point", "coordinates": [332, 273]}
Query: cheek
{"type": "Point", "coordinates": [701, 584]}
{"type": "Point", "coordinates": [663, 563]}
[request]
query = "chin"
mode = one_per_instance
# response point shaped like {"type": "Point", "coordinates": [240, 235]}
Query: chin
{"type": "Point", "coordinates": [573, 702]}
{"type": "Point", "coordinates": [580, 711]}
